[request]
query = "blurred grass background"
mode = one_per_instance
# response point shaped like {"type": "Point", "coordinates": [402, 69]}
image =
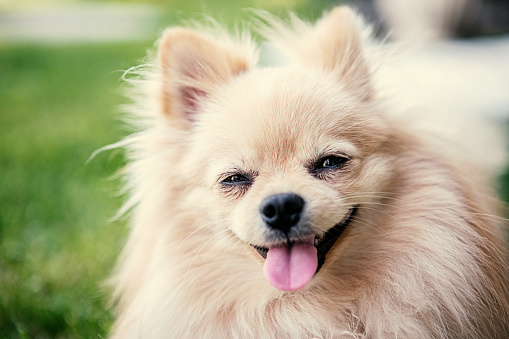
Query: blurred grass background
{"type": "Point", "coordinates": [56, 244]}
{"type": "Point", "coordinates": [59, 103]}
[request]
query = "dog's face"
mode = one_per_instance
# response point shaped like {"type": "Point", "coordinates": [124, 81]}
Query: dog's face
{"type": "Point", "coordinates": [288, 155]}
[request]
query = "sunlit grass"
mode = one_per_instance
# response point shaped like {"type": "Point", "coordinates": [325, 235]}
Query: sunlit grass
{"type": "Point", "coordinates": [56, 242]}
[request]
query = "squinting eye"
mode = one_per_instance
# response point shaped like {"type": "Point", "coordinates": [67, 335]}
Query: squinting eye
{"type": "Point", "coordinates": [330, 162]}
{"type": "Point", "coordinates": [236, 179]}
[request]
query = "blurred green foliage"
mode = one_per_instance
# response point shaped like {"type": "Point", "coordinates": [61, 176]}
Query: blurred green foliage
{"type": "Point", "coordinates": [57, 244]}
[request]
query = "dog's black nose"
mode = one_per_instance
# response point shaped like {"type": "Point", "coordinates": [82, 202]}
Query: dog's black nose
{"type": "Point", "coordinates": [282, 211]}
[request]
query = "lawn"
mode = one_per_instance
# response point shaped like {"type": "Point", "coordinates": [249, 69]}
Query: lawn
{"type": "Point", "coordinates": [57, 244]}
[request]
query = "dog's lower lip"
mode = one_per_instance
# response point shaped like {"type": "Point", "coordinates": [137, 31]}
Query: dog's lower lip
{"type": "Point", "coordinates": [325, 243]}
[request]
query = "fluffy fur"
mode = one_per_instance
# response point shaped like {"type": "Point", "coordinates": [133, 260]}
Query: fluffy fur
{"type": "Point", "coordinates": [424, 257]}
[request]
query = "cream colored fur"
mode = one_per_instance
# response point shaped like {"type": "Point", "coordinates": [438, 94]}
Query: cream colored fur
{"type": "Point", "coordinates": [423, 258]}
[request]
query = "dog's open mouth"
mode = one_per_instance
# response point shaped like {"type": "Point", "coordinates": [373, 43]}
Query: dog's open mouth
{"type": "Point", "coordinates": [291, 266]}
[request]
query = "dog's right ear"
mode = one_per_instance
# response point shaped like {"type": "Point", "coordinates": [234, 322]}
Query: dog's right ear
{"type": "Point", "coordinates": [193, 66]}
{"type": "Point", "coordinates": [335, 44]}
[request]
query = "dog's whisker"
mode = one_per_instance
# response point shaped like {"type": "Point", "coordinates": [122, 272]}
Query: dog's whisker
{"type": "Point", "coordinates": [197, 254]}
{"type": "Point", "coordinates": [376, 210]}
{"type": "Point", "coordinates": [366, 195]}
{"type": "Point", "coordinates": [226, 243]}
{"type": "Point", "coordinates": [363, 206]}
{"type": "Point", "coordinates": [201, 228]}
{"type": "Point", "coordinates": [387, 205]}
{"type": "Point", "coordinates": [341, 215]}
{"type": "Point", "coordinates": [238, 241]}
{"type": "Point", "coordinates": [368, 223]}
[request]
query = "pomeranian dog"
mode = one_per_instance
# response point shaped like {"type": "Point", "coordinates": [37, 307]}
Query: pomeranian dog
{"type": "Point", "coordinates": [288, 202]}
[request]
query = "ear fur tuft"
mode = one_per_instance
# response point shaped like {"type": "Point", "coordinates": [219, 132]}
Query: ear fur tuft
{"type": "Point", "coordinates": [336, 43]}
{"type": "Point", "coordinates": [193, 65]}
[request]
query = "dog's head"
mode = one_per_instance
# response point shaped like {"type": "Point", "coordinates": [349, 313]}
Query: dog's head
{"type": "Point", "coordinates": [288, 155]}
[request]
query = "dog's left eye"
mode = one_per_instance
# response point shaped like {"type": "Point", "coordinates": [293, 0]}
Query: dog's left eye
{"type": "Point", "coordinates": [330, 162]}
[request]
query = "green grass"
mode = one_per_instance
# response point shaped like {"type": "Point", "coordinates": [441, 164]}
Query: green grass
{"type": "Point", "coordinates": [56, 242]}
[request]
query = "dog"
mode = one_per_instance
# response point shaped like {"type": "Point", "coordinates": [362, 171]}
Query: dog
{"type": "Point", "coordinates": [288, 202]}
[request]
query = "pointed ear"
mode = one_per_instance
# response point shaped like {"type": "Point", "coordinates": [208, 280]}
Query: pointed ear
{"type": "Point", "coordinates": [192, 67]}
{"type": "Point", "coordinates": [335, 44]}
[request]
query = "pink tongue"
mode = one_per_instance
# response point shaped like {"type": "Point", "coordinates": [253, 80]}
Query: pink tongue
{"type": "Point", "coordinates": [290, 268]}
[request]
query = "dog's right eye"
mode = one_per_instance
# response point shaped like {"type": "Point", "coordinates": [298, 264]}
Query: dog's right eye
{"type": "Point", "coordinates": [236, 179]}
{"type": "Point", "coordinates": [235, 184]}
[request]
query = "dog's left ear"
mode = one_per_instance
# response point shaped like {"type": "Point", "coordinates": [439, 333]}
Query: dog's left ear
{"type": "Point", "coordinates": [193, 65]}
{"type": "Point", "coordinates": [335, 44]}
